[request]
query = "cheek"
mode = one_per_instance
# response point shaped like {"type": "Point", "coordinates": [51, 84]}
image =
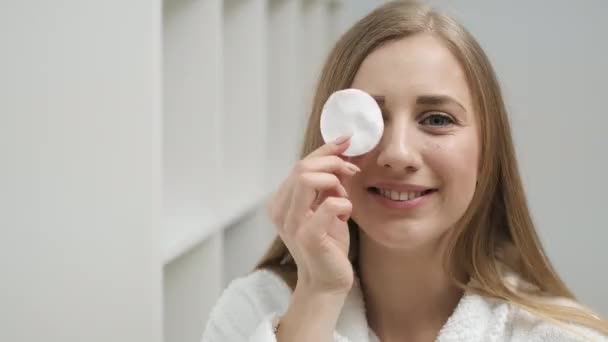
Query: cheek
{"type": "Point", "coordinates": [454, 161]}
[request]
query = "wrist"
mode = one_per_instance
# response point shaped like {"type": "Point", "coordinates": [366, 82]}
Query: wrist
{"type": "Point", "coordinates": [314, 296]}
{"type": "Point", "coordinates": [327, 290]}
{"type": "Point", "coordinates": [311, 314]}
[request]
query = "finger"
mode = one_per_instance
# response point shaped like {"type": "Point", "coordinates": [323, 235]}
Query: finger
{"type": "Point", "coordinates": [336, 147]}
{"type": "Point", "coordinates": [279, 203]}
{"type": "Point", "coordinates": [323, 221]}
{"type": "Point", "coordinates": [322, 195]}
{"type": "Point", "coordinates": [275, 209]}
{"type": "Point", "coordinates": [306, 190]}
{"type": "Point", "coordinates": [330, 164]}
{"type": "Point", "coordinates": [332, 208]}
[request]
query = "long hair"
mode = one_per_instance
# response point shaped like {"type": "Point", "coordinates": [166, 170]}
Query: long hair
{"type": "Point", "coordinates": [496, 233]}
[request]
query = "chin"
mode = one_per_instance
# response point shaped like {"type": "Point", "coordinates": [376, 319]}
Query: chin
{"type": "Point", "coordinates": [401, 234]}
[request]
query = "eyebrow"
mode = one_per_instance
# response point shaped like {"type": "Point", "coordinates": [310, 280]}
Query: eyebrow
{"type": "Point", "coordinates": [379, 99]}
{"type": "Point", "coordinates": [437, 100]}
{"type": "Point", "coordinates": [428, 100]}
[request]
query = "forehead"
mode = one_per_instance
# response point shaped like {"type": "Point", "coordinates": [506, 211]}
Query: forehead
{"type": "Point", "coordinates": [413, 66]}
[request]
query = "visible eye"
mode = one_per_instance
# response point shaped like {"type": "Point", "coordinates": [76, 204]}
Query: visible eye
{"type": "Point", "coordinates": [437, 119]}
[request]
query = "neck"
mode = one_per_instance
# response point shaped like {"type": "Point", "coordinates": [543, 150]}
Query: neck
{"type": "Point", "coordinates": [407, 293]}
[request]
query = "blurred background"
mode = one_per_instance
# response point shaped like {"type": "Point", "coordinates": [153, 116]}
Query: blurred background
{"type": "Point", "coordinates": [140, 139]}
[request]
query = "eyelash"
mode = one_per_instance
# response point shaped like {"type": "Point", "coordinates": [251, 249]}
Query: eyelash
{"type": "Point", "coordinates": [450, 120]}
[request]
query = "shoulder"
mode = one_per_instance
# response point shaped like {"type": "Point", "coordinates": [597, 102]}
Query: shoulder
{"type": "Point", "coordinates": [245, 303]}
{"type": "Point", "coordinates": [523, 325]}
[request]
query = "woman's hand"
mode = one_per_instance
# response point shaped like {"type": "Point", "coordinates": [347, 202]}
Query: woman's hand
{"type": "Point", "coordinates": [310, 210]}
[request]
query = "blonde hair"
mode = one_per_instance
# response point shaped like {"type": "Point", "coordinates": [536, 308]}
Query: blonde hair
{"type": "Point", "coordinates": [496, 234]}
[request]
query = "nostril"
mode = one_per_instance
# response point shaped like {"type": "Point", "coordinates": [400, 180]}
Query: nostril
{"type": "Point", "coordinates": [409, 168]}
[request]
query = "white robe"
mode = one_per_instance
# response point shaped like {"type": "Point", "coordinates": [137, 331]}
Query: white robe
{"type": "Point", "coordinates": [250, 307]}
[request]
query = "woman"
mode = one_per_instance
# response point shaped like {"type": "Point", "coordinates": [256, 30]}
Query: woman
{"type": "Point", "coordinates": [427, 237]}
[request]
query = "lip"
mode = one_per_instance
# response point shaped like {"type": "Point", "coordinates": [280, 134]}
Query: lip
{"type": "Point", "coordinates": [401, 187]}
{"type": "Point", "coordinates": [410, 204]}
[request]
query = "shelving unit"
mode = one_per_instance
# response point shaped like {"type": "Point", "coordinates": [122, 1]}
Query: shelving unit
{"type": "Point", "coordinates": [244, 99]}
{"type": "Point", "coordinates": [192, 113]}
{"type": "Point", "coordinates": [284, 102]}
{"type": "Point", "coordinates": [238, 77]}
{"type": "Point", "coordinates": [189, 290]}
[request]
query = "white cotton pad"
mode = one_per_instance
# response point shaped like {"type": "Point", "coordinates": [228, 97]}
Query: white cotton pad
{"type": "Point", "coordinates": [352, 112]}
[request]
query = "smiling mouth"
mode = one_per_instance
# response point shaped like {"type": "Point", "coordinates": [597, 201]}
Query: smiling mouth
{"type": "Point", "coordinates": [399, 196]}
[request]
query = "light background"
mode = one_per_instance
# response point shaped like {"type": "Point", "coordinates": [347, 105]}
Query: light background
{"type": "Point", "coordinates": [140, 139]}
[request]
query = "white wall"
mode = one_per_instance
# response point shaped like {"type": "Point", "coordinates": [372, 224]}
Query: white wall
{"type": "Point", "coordinates": [80, 171]}
{"type": "Point", "coordinates": [238, 80]}
{"type": "Point", "coordinates": [357, 9]}
{"type": "Point", "coordinates": [139, 138]}
{"type": "Point", "coordinates": [551, 59]}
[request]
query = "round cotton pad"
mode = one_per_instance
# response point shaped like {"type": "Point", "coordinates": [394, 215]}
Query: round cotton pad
{"type": "Point", "coordinates": [352, 112]}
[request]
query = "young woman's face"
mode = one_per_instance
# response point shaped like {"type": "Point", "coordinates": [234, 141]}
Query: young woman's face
{"type": "Point", "coordinates": [417, 183]}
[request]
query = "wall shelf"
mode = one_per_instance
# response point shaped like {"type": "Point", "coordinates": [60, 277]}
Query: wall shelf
{"type": "Point", "coordinates": [195, 230]}
{"type": "Point", "coordinates": [237, 84]}
{"type": "Point", "coordinates": [192, 109]}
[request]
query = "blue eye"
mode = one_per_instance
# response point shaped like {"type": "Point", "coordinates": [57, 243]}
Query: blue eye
{"type": "Point", "coordinates": [437, 120]}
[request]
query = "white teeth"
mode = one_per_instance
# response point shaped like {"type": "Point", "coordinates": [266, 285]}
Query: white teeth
{"type": "Point", "coordinates": [400, 196]}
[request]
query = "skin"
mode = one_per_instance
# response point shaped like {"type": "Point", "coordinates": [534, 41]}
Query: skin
{"type": "Point", "coordinates": [434, 144]}
{"type": "Point", "coordinates": [431, 142]}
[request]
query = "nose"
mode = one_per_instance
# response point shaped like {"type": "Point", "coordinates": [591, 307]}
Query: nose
{"type": "Point", "coordinates": [398, 150]}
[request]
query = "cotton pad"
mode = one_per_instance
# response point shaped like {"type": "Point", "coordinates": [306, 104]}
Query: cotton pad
{"type": "Point", "coordinates": [352, 112]}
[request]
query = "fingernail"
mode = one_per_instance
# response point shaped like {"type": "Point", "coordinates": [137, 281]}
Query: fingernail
{"type": "Point", "coordinates": [353, 167]}
{"type": "Point", "coordinates": [341, 140]}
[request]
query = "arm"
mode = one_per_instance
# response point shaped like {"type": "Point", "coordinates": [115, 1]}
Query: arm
{"type": "Point", "coordinates": [311, 317]}
{"type": "Point", "coordinates": [247, 309]}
